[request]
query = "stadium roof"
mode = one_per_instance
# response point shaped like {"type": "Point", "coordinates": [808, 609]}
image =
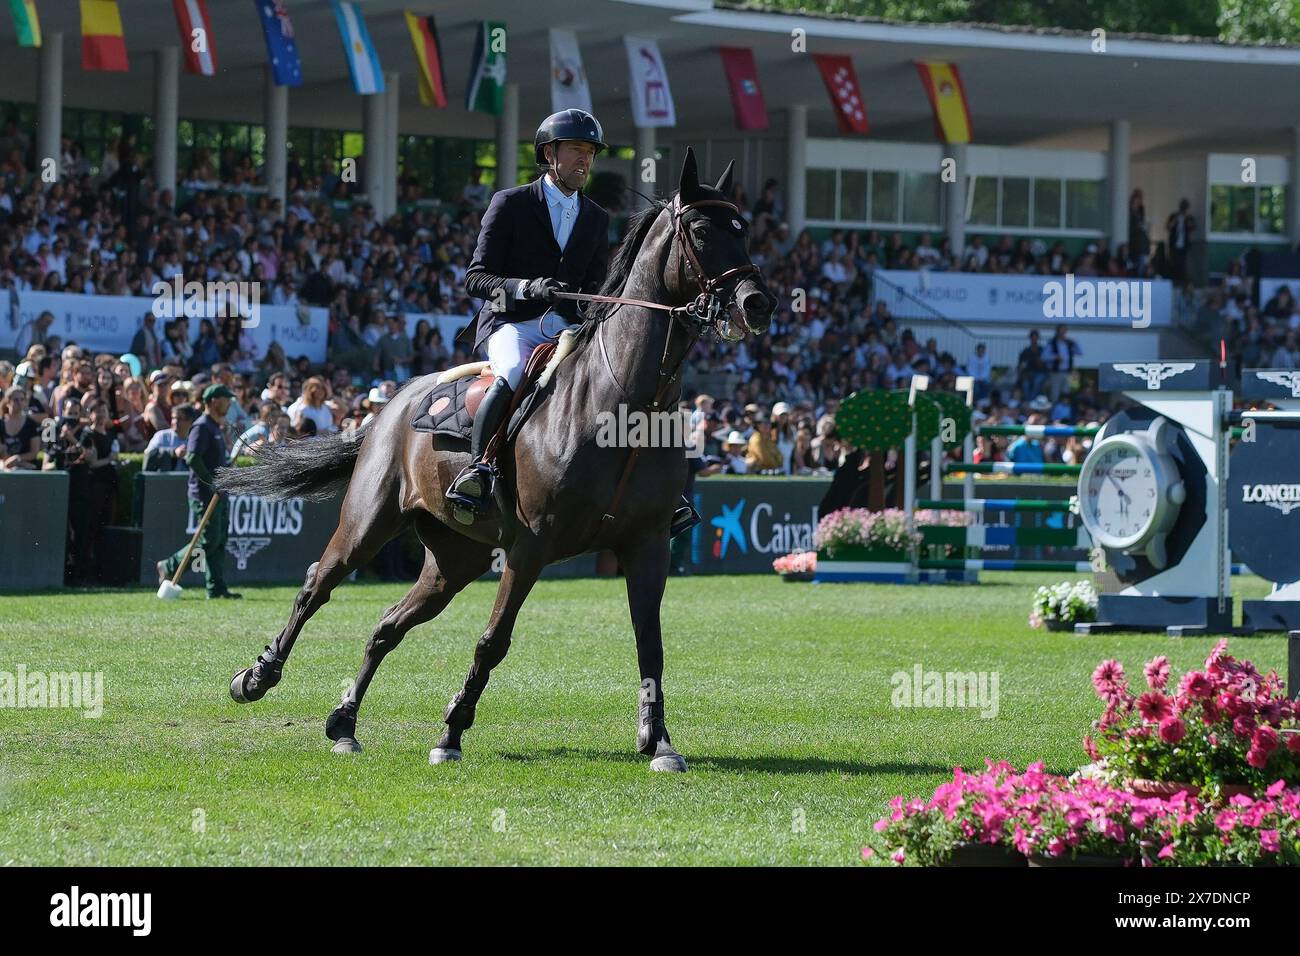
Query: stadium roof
{"type": "Point", "coordinates": [1025, 86]}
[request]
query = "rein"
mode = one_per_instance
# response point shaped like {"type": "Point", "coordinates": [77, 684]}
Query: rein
{"type": "Point", "coordinates": [696, 317]}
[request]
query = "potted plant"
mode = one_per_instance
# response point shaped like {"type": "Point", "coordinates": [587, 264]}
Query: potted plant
{"type": "Point", "coordinates": [1216, 733]}
{"type": "Point", "coordinates": [854, 544]}
{"type": "Point", "coordinates": [1061, 606]}
{"type": "Point", "coordinates": [797, 566]}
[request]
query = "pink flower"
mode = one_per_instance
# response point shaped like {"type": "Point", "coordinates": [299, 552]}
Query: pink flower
{"type": "Point", "coordinates": [1226, 820]}
{"type": "Point", "coordinates": [1157, 672]}
{"type": "Point", "coordinates": [1109, 681]}
{"type": "Point", "coordinates": [1257, 758]}
{"type": "Point", "coordinates": [1154, 706]}
{"type": "Point", "coordinates": [898, 856]}
{"type": "Point", "coordinates": [1243, 725]}
{"type": "Point", "coordinates": [882, 824]}
{"type": "Point", "coordinates": [1270, 841]}
{"type": "Point", "coordinates": [1195, 684]}
{"type": "Point", "coordinates": [867, 853]}
{"type": "Point", "coordinates": [1166, 852]}
{"type": "Point", "coordinates": [1265, 739]}
{"type": "Point", "coordinates": [1172, 729]}
{"type": "Point", "coordinates": [1293, 743]}
{"type": "Point", "coordinates": [1056, 847]}
{"type": "Point", "coordinates": [1090, 748]}
{"type": "Point", "coordinates": [1275, 789]}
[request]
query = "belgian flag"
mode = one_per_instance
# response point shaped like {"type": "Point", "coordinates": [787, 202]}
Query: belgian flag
{"type": "Point", "coordinates": [103, 46]}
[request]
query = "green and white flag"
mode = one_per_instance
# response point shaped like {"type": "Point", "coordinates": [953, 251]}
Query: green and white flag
{"type": "Point", "coordinates": [487, 72]}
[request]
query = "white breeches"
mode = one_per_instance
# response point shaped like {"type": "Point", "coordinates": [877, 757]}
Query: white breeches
{"type": "Point", "coordinates": [508, 347]}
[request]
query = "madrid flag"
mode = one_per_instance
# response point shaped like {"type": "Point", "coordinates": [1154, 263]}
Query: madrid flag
{"type": "Point", "coordinates": [842, 85]}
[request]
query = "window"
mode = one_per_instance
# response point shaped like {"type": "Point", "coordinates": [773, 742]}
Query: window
{"type": "Point", "coordinates": [884, 197]}
{"type": "Point", "coordinates": [853, 195]}
{"type": "Point", "coordinates": [821, 193]}
{"type": "Point", "coordinates": [1047, 204]}
{"type": "Point", "coordinates": [984, 205]}
{"type": "Point", "coordinates": [1015, 203]}
{"type": "Point", "coordinates": [1082, 204]}
{"type": "Point", "coordinates": [1252, 210]}
{"type": "Point", "coordinates": [1272, 210]}
{"type": "Point", "coordinates": [921, 198]}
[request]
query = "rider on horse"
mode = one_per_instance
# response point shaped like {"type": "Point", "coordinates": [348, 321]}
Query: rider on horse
{"type": "Point", "coordinates": [535, 240]}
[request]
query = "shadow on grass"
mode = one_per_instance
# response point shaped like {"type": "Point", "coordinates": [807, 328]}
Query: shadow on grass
{"type": "Point", "coordinates": [769, 763]}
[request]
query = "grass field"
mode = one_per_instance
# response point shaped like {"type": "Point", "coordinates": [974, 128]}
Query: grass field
{"type": "Point", "coordinates": [779, 696]}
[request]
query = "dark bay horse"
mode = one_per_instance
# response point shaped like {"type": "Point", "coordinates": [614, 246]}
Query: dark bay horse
{"type": "Point", "coordinates": [564, 482]}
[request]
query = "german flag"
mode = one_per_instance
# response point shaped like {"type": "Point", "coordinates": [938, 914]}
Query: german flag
{"type": "Point", "coordinates": [948, 100]}
{"type": "Point", "coordinates": [103, 46]}
{"type": "Point", "coordinates": [433, 90]}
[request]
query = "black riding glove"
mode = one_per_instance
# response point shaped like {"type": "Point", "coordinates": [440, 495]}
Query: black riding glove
{"type": "Point", "coordinates": [542, 289]}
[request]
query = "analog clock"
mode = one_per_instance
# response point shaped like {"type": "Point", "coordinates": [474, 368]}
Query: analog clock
{"type": "Point", "coordinates": [1130, 491]}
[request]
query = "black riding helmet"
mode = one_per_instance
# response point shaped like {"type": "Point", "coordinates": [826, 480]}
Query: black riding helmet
{"type": "Point", "coordinates": [568, 124]}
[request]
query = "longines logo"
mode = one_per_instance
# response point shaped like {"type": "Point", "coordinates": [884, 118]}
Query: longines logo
{"type": "Point", "coordinates": [1289, 380]}
{"type": "Point", "coordinates": [1285, 498]}
{"type": "Point", "coordinates": [1154, 372]}
{"type": "Point", "coordinates": [1123, 473]}
{"type": "Point", "coordinates": [254, 523]}
{"type": "Point", "coordinates": [245, 548]}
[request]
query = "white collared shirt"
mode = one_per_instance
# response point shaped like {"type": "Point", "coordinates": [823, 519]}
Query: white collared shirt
{"type": "Point", "coordinates": [563, 210]}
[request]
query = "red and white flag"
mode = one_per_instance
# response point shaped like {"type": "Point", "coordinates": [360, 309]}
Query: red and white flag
{"type": "Point", "coordinates": [746, 95]}
{"type": "Point", "coordinates": [842, 84]}
{"type": "Point", "coordinates": [196, 36]}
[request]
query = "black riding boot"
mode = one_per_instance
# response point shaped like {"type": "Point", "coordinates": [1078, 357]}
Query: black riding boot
{"type": "Point", "coordinates": [473, 485]}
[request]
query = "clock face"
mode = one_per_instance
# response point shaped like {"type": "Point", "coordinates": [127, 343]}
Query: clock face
{"type": "Point", "coordinates": [1119, 494]}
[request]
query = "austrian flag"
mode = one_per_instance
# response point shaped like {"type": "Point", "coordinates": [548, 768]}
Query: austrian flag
{"type": "Point", "coordinates": [196, 36]}
{"type": "Point", "coordinates": [842, 85]}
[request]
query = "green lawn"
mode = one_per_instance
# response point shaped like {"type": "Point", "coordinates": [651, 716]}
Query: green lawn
{"type": "Point", "coordinates": [779, 696]}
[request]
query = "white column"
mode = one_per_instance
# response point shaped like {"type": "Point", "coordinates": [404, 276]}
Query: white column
{"type": "Point", "coordinates": [508, 138]}
{"type": "Point", "coordinates": [1117, 181]}
{"type": "Point", "coordinates": [1293, 188]}
{"type": "Point", "coordinates": [955, 211]}
{"type": "Point", "coordinates": [277, 141]}
{"type": "Point", "coordinates": [392, 113]}
{"type": "Point", "coordinates": [166, 97]}
{"type": "Point", "coordinates": [645, 149]}
{"type": "Point", "coordinates": [796, 168]}
{"type": "Point", "coordinates": [373, 114]}
{"type": "Point", "coordinates": [49, 101]}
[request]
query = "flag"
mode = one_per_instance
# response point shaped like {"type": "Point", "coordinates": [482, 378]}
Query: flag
{"type": "Point", "coordinates": [196, 36]}
{"type": "Point", "coordinates": [281, 49]}
{"type": "Point", "coordinates": [569, 88]}
{"type": "Point", "coordinates": [746, 94]}
{"type": "Point", "coordinates": [433, 89]}
{"type": "Point", "coordinates": [25, 22]}
{"type": "Point", "coordinates": [948, 100]}
{"type": "Point", "coordinates": [487, 71]}
{"type": "Point", "coordinates": [103, 47]}
{"type": "Point", "coordinates": [652, 100]}
{"type": "Point", "coordinates": [363, 61]}
{"type": "Point", "coordinates": [842, 85]}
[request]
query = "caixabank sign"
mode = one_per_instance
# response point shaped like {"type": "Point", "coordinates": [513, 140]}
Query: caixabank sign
{"type": "Point", "coordinates": [750, 522]}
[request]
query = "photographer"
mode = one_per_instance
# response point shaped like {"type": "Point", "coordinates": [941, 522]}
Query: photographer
{"type": "Point", "coordinates": [67, 452]}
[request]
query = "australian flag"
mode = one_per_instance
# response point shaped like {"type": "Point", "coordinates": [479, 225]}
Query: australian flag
{"type": "Point", "coordinates": [281, 49]}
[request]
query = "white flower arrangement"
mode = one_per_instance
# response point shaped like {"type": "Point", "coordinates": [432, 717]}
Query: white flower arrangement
{"type": "Point", "coordinates": [1066, 602]}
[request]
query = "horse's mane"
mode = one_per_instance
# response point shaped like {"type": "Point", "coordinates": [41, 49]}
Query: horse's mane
{"type": "Point", "coordinates": [620, 265]}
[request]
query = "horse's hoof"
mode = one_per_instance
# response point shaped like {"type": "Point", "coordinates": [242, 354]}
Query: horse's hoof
{"type": "Point", "coordinates": [443, 755]}
{"type": "Point", "coordinates": [669, 763]}
{"type": "Point", "coordinates": [347, 745]}
{"type": "Point", "coordinates": [237, 692]}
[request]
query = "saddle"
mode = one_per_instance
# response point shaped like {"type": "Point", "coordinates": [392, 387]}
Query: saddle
{"type": "Point", "coordinates": [453, 402]}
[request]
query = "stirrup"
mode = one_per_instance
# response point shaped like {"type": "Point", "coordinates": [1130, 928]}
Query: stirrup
{"type": "Point", "coordinates": [684, 519]}
{"type": "Point", "coordinates": [471, 489]}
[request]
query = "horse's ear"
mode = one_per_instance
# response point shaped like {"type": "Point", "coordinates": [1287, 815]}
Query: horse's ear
{"type": "Point", "coordinates": [689, 181]}
{"type": "Point", "coordinates": [724, 184]}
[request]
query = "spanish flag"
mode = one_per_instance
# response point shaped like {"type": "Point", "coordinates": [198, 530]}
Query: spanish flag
{"type": "Point", "coordinates": [103, 47]}
{"type": "Point", "coordinates": [948, 100]}
{"type": "Point", "coordinates": [433, 90]}
{"type": "Point", "coordinates": [25, 22]}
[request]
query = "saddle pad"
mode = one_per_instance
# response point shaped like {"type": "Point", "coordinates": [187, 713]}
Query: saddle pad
{"type": "Point", "coordinates": [443, 411]}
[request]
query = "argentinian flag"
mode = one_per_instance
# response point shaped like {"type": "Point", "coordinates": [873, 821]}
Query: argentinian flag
{"type": "Point", "coordinates": [363, 61]}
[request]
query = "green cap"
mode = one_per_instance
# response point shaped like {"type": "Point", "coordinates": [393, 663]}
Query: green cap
{"type": "Point", "coordinates": [217, 391]}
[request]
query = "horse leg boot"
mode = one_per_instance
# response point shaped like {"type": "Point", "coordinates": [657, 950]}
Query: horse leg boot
{"type": "Point", "coordinates": [516, 582]}
{"type": "Point", "coordinates": [252, 683]}
{"type": "Point", "coordinates": [472, 486]}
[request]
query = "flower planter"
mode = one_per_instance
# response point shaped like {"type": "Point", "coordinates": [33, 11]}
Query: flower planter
{"type": "Point", "coordinates": [1169, 788]}
{"type": "Point", "coordinates": [798, 576]}
{"type": "Point", "coordinates": [855, 562]}
{"type": "Point", "coordinates": [984, 854]}
{"type": "Point", "coordinates": [1055, 625]}
{"type": "Point", "coordinates": [1082, 859]}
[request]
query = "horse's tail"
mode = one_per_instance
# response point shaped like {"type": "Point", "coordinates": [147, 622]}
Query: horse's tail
{"type": "Point", "coordinates": [315, 468]}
